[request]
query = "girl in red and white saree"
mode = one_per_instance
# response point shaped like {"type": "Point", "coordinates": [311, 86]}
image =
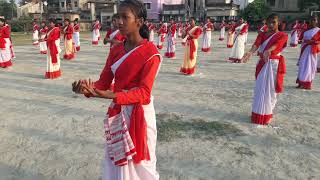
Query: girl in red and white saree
{"type": "Point", "coordinates": [162, 32]}
{"type": "Point", "coordinates": [5, 43]}
{"type": "Point", "coordinates": [69, 49]}
{"type": "Point", "coordinates": [171, 43]}
{"type": "Point", "coordinates": [270, 70]}
{"type": "Point", "coordinates": [130, 124]}
{"type": "Point", "coordinates": [206, 41]}
{"type": "Point", "coordinates": [53, 44]}
{"type": "Point", "coordinates": [191, 49]}
{"type": "Point", "coordinates": [295, 34]}
{"type": "Point", "coordinates": [42, 42]}
{"type": "Point", "coordinates": [237, 51]}
{"type": "Point", "coordinates": [113, 35]}
{"type": "Point", "coordinates": [96, 32]}
{"type": "Point", "coordinates": [222, 30]}
{"type": "Point", "coordinates": [76, 34]}
{"type": "Point", "coordinates": [309, 55]}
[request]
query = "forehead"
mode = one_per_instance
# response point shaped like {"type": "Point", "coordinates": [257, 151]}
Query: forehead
{"type": "Point", "coordinates": [124, 9]}
{"type": "Point", "coordinates": [271, 20]}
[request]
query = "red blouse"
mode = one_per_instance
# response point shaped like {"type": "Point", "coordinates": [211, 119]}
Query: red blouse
{"type": "Point", "coordinates": [142, 82]}
{"type": "Point", "coordinates": [5, 32]}
{"type": "Point", "coordinates": [281, 42]}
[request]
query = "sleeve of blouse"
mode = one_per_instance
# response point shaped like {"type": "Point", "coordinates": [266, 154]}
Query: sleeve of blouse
{"type": "Point", "coordinates": [259, 40]}
{"type": "Point", "coordinates": [106, 75]}
{"type": "Point", "coordinates": [244, 29]}
{"type": "Point", "coordinates": [283, 40]}
{"type": "Point", "coordinates": [143, 92]}
{"type": "Point", "coordinates": [197, 32]}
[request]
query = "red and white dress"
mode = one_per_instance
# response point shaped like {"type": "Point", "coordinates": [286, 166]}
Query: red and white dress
{"type": "Point", "coordinates": [162, 35]}
{"type": "Point", "coordinates": [263, 29]}
{"type": "Point", "coordinates": [35, 34]}
{"type": "Point", "coordinates": [231, 32]}
{"type": "Point", "coordinates": [269, 76]}
{"type": "Point", "coordinates": [191, 50]}
{"type": "Point", "coordinates": [76, 36]}
{"type": "Point", "coordinates": [171, 43]}
{"type": "Point", "coordinates": [53, 58]}
{"type": "Point", "coordinates": [114, 34]}
{"type": "Point", "coordinates": [295, 35]}
{"type": "Point", "coordinates": [130, 124]}
{"type": "Point", "coordinates": [42, 41]}
{"type": "Point", "coordinates": [151, 28]}
{"type": "Point", "coordinates": [308, 58]}
{"type": "Point", "coordinates": [206, 41]}
{"type": "Point", "coordinates": [5, 50]}
{"type": "Point", "coordinates": [69, 50]}
{"type": "Point", "coordinates": [96, 33]}
{"type": "Point", "coordinates": [237, 51]}
{"type": "Point", "coordinates": [222, 31]}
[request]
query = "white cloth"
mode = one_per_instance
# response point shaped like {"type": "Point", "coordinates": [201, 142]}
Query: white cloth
{"type": "Point", "coordinates": [146, 170]}
{"type": "Point", "coordinates": [35, 36]}
{"type": "Point", "coordinates": [171, 47]}
{"type": "Point", "coordinates": [95, 35]}
{"type": "Point", "coordinates": [43, 44]}
{"type": "Point", "coordinates": [50, 66]}
{"type": "Point", "coordinates": [76, 39]}
{"type": "Point", "coordinates": [206, 41]}
{"type": "Point", "coordinates": [222, 32]}
{"type": "Point", "coordinates": [151, 36]}
{"type": "Point", "coordinates": [265, 96]}
{"type": "Point", "coordinates": [237, 51]}
{"type": "Point", "coordinates": [294, 38]}
{"type": "Point", "coordinates": [307, 60]}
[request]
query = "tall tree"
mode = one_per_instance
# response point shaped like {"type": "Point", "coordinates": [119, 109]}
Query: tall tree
{"type": "Point", "coordinates": [256, 11]}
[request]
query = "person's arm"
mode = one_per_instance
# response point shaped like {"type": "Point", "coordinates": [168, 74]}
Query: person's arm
{"type": "Point", "coordinates": [87, 87]}
{"type": "Point", "coordinates": [253, 49]}
{"type": "Point", "coordinates": [143, 92]}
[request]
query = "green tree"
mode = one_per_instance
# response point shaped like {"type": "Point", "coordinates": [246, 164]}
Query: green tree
{"type": "Point", "coordinates": [8, 9]}
{"type": "Point", "coordinates": [256, 11]}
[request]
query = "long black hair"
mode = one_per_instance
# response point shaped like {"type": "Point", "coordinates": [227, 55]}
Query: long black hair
{"type": "Point", "coordinates": [140, 11]}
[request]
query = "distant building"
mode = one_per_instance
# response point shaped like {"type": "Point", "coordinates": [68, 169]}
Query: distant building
{"type": "Point", "coordinates": [215, 9]}
{"type": "Point", "coordinates": [32, 9]}
{"type": "Point", "coordinates": [286, 8]}
{"type": "Point", "coordinates": [221, 9]}
{"type": "Point", "coordinates": [155, 8]}
{"type": "Point", "coordinates": [175, 11]}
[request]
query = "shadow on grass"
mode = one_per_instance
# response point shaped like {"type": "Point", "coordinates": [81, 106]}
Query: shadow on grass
{"type": "Point", "coordinates": [172, 126]}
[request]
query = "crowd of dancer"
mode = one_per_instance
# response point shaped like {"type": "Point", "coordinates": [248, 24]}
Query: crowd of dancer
{"type": "Point", "coordinates": [130, 125]}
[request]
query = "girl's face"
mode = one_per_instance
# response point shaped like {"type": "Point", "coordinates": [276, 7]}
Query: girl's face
{"type": "Point", "coordinates": [128, 22]}
{"type": "Point", "coordinates": [114, 23]}
{"type": "Point", "coordinates": [66, 23]}
{"type": "Point", "coordinates": [273, 24]}
{"type": "Point", "coordinates": [52, 24]}
{"type": "Point", "coordinates": [314, 22]}
{"type": "Point", "coordinates": [1, 23]}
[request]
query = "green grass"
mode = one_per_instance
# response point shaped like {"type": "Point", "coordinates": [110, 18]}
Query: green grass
{"type": "Point", "coordinates": [21, 38]}
{"type": "Point", "coordinates": [171, 127]}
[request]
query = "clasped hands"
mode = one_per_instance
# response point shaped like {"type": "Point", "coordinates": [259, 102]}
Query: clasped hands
{"type": "Point", "coordinates": [84, 86]}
